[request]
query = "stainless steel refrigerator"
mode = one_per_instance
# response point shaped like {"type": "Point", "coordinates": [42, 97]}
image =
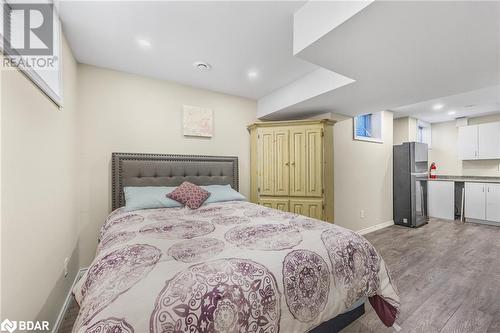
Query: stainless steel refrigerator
{"type": "Point", "coordinates": [410, 184]}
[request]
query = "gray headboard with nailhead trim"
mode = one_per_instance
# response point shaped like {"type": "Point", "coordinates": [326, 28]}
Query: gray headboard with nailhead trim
{"type": "Point", "coordinates": [129, 169]}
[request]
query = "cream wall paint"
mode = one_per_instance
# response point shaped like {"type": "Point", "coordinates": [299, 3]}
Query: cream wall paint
{"type": "Point", "coordinates": [121, 112]}
{"type": "Point", "coordinates": [362, 175]}
{"type": "Point", "coordinates": [445, 151]}
{"type": "Point", "coordinates": [405, 130]}
{"type": "Point", "coordinates": [38, 195]}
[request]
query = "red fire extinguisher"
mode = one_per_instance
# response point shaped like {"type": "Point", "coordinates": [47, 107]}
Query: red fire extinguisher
{"type": "Point", "coordinates": [432, 171]}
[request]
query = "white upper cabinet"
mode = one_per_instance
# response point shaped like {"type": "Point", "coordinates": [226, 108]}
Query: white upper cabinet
{"type": "Point", "coordinates": [468, 142]}
{"type": "Point", "coordinates": [489, 141]}
{"type": "Point", "coordinates": [479, 142]}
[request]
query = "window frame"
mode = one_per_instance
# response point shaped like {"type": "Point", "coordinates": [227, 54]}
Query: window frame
{"type": "Point", "coordinates": [376, 127]}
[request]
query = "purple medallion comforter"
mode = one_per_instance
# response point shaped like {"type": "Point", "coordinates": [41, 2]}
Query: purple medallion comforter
{"type": "Point", "coordinates": [227, 267]}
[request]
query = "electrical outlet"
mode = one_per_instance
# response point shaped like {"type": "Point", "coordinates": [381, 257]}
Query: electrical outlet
{"type": "Point", "coordinates": [362, 213]}
{"type": "Point", "coordinates": [66, 262]}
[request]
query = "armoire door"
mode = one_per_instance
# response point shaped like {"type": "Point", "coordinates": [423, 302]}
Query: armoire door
{"type": "Point", "coordinates": [276, 203]}
{"type": "Point", "coordinates": [265, 161]}
{"type": "Point", "coordinates": [282, 165]}
{"type": "Point", "coordinates": [314, 162]}
{"type": "Point", "coordinates": [307, 207]}
{"type": "Point", "coordinates": [298, 162]}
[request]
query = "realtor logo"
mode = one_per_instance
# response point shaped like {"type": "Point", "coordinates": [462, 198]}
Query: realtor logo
{"type": "Point", "coordinates": [28, 29]}
{"type": "Point", "coordinates": [8, 325]}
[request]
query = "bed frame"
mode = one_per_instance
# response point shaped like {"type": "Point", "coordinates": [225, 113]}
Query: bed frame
{"type": "Point", "coordinates": [170, 170]}
{"type": "Point", "coordinates": [131, 169]}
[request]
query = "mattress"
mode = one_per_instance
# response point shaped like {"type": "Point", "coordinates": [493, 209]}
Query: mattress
{"type": "Point", "coordinates": [228, 267]}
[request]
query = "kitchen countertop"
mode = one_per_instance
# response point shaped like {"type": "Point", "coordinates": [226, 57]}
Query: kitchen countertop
{"type": "Point", "coordinates": [471, 179]}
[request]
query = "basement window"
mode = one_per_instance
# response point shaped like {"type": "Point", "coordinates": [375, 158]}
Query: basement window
{"type": "Point", "coordinates": [368, 127]}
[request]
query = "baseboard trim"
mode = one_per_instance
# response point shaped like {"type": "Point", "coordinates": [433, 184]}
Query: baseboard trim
{"type": "Point", "coordinates": [375, 227]}
{"type": "Point", "coordinates": [64, 308]}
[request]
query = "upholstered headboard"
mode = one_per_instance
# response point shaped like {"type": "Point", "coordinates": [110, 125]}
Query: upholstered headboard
{"type": "Point", "coordinates": [170, 170]}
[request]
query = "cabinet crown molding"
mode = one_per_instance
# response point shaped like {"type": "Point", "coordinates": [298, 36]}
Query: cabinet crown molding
{"type": "Point", "coordinates": [291, 123]}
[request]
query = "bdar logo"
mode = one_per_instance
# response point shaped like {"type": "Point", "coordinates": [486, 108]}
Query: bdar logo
{"type": "Point", "coordinates": [23, 325]}
{"type": "Point", "coordinates": [8, 325]}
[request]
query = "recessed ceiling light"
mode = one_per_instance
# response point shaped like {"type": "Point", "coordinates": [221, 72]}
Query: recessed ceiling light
{"type": "Point", "coordinates": [252, 74]}
{"type": "Point", "coordinates": [144, 43]}
{"type": "Point", "coordinates": [452, 112]}
{"type": "Point", "coordinates": [202, 66]}
{"type": "Point", "coordinates": [438, 106]}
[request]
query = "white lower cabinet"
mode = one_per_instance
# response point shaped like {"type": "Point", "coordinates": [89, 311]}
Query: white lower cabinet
{"type": "Point", "coordinates": [482, 201]}
{"type": "Point", "coordinates": [475, 201]}
{"type": "Point", "coordinates": [493, 202]}
{"type": "Point", "coordinates": [441, 199]}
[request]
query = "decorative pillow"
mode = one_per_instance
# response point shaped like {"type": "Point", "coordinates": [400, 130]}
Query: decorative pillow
{"type": "Point", "coordinates": [220, 193]}
{"type": "Point", "coordinates": [147, 197]}
{"type": "Point", "coordinates": [190, 195]}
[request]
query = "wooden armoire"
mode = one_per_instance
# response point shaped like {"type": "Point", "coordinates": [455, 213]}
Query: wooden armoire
{"type": "Point", "coordinates": [292, 166]}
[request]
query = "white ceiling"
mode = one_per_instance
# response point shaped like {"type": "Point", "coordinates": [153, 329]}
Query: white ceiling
{"type": "Point", "coordinates": [403, 52]}
{"type": "Point", "coordinates": [470, 104]}
{"type": "Point", "coordinates": [363, 57]}
{"type": "Point", "coordinates": [234, 37]}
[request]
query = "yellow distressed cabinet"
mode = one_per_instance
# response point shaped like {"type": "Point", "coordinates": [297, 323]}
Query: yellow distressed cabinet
{"type": "Point", "coordinates": [292, 166]}
{"type": "Point", "coordinates": [280, 204]}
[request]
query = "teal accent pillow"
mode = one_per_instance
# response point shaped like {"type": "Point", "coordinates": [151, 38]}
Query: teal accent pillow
{"type": "Point", "coordinates": [220, 193]}
{"type": "Point", "coordinates": [148, 197]}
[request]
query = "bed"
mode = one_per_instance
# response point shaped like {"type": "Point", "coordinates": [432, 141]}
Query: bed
{"type": "Point", "coordinates": [228, 266]}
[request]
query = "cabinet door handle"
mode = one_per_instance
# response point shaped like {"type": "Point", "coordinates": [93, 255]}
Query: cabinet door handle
{"type": "Point", "coordinates": [287, 163]}
{"type": "Point", "coordinates": [293, 163]}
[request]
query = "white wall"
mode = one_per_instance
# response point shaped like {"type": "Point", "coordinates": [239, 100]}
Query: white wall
{"type": "Point", "coordinates": [445, 151]}
{"type": "Point", "coordinates": [38, 195]}
{"type": "Point", "coordinates": [121, 112]}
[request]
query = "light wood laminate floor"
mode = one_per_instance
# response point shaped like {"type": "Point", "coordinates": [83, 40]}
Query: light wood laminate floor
{"type": "Point", "coordinates": [447, 273]}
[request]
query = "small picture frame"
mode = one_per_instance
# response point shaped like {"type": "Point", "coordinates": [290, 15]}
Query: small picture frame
{"type": "Point", "coordinates": [197, 121]}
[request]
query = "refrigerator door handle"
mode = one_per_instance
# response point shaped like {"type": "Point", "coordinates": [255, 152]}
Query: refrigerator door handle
{"type": "Point", "coordinates": [419, 174]}
{"type": "Point", "coordinates": [422, 199]}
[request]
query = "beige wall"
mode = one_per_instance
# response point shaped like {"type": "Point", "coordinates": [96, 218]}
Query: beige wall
{"type": "Point", "coordinates": [445, 151]}
{"type": "Point", "coordinates": [39, 188]}
{"type": "Point", "coordinates": [68, 192]}
{"type": "Point", "coordinates": [121, 112]}
{"type": "Point", "coordinates": [363, 176]}
{"type": "Point", "coordinates": [405, 130]}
